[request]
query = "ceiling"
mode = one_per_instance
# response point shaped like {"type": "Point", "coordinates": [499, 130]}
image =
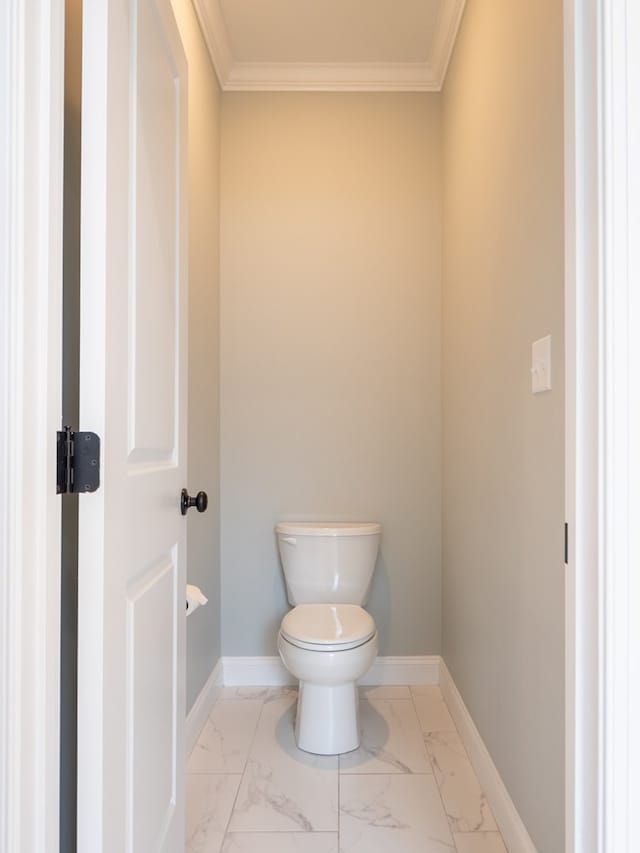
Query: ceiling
{"type": "Point", "coordinates": [330, 45]}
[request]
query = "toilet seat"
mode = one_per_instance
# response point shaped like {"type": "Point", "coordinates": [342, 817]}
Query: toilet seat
{"type": "Point", "coordinates": [326, 647]}
{"type": "Point", "coordinates": [327, 627]}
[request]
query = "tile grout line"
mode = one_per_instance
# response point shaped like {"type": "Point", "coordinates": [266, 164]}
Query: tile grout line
{"type": "Point", "coordinates": [225, 834]}
{"type": "Point", "coordinates": [302, 833]}
{"type": "Point", "coordinates": [433, 769]}
{"type": "Point", "coordinates": [424, 745]}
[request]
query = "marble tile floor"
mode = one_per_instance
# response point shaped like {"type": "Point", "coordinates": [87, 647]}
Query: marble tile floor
{"type": "Point", "coordinates": [409, 788]}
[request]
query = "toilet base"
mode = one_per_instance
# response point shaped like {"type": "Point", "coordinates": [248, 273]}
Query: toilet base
{"type": "Point", "coordinates": [327, 718]}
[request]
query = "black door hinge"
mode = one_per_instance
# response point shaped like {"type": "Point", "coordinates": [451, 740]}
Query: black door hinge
{"type": "Point", "coordinates": [78, 468]}
{"type": "Point", "coordinates": [566, 543]}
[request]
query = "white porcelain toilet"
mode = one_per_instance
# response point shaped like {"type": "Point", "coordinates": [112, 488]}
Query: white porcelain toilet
{"type": "Point", "coordinates": [328, 640]}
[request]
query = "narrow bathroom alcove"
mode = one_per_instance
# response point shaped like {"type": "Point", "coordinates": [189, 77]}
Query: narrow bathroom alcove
{"type": "Point", "coordinates": [369, 264]}
{"type": "Point", "coordinates": [386, 260]}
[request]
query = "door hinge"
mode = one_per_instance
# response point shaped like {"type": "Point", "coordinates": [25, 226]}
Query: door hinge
{"type": "Point", "coordinates": [78, 461]}
{"type": "Point", "coordinates": [566, 543]}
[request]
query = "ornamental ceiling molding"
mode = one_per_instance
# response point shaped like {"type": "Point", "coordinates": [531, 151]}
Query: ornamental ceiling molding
{"type": "Point", "coordinates": [237, 76]}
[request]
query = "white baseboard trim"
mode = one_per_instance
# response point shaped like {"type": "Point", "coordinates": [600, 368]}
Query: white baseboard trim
{"type": "Point", "coordinates": [262, 671]}
{"type": "Point", "coordinates": [197, 716]}
{"type": "Point", "coordinates": [410, 669]}
{"type": "Point", "coordinates": [513, 830]}
{"type": "Point", "coordinates": [270, 671]}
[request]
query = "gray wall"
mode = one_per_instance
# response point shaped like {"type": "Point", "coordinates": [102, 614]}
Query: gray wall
{"type": "Point", "coordinates": [330, 271]}
{"type": "Point", "coordinates": [203, 568]}
{"type": "Point", "coordinates": [503, 577]}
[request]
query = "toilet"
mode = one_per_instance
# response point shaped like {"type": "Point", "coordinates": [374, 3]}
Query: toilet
{"type": "Point", "coordinates": [328, 641]}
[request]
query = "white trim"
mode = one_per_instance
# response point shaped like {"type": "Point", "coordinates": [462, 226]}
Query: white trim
{"type": "Point", "coordinates": [31, 136]}
{"type": "Point", "coordinates": [207, 698]}
{"type": "Point", "coordinates": [444, 38]}
{"type": "Point", "coordinates": [582, 477]}
{"type": "Point", "coordinates": [620, 419]}
{"type": "Point", "coordinates": [270, 671]}
{"type": "Point", "coordinates": [216, 37]}
{"type": "Point", "coordinates": [253, 671]}
{"type": "Point", "coordinates": [513, 830]}
{"type": "Point", "coordinates": [411, 669]}
{"type": "Point", "coordinates": [331, 76]}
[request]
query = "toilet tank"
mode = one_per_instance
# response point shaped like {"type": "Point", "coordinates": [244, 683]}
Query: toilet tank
{"type": "Point", "coordinates": [326, 562]}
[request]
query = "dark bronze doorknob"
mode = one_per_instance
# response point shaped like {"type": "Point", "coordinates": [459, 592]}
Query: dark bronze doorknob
{"type": "Point", "coordinates": [200, 502]}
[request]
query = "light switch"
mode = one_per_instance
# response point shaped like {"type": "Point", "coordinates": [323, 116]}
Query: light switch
{"type": "Point", "coordinates": [541, 365]}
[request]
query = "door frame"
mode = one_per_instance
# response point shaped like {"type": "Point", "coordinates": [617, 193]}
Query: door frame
{"type": "Point", "coordinates": [582, 475]}
{"type": "Point", "coordinates": [31, 127]}
{"type": "Point", "coordinates": [619, 410]}
{"type": "Point", "coordinates": [602, 311]}
{"type": "Point", "coordinates": [31, 173]}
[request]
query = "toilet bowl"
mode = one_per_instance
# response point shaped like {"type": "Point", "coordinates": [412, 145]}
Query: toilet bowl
{"type": "Point", "coordinates": [327, 647]}
{"type": "Point", "coordinates": [328, 641]}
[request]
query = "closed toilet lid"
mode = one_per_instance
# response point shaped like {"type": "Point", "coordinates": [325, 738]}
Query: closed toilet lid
{"type": "Point", "coordinates": [328, 626]}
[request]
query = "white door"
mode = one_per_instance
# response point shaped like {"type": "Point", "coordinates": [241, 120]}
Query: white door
{"type": "Point", "coordinates": [131, 644]}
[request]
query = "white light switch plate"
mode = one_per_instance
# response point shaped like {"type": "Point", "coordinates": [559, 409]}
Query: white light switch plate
{"type": "Point", "coordinates": [541, 365]}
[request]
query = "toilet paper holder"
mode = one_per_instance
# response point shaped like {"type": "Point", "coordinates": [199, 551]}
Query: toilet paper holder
{"type": "Point", "coordinates": [194, 598]}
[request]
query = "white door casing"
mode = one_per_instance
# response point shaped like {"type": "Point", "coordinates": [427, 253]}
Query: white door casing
{"type": "Point", "coordinates": [619, 771]}
{"type": "Point", "coordinates": [132, 540]}
{"type": "Point", "coordinates": [31, 134]}
{"type": "Point", "coordinates": [582, 478]}
{"type": "Point", "coordinates": [602, 311]}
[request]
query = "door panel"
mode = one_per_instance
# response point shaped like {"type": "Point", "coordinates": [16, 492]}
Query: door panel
{"type": "Point", "coordinates": [132, 540]}
{"type": "Point", "coordinates": [151, 717]}
{"type": "Point", "coordinates": [155, 280]}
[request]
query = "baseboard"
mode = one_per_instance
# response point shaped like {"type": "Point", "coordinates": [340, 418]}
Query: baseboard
{"type": "Point", "coordinates": [255, 671]}
{"type": "Point", "coordinates": [270, 671]}
{"type": "Point", "coordinates": [197, 716]}
{"type": "Point", "coordinates": [513, 830]}
{"type": "Point", "coordinates": [410, 669]}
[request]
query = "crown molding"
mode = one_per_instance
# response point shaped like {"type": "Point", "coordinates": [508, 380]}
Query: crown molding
{"type": "Point", "coordinates": [215, 35]}
{"type": "Point", "coordinates": [444, 37]}
{"type": "Point", "coordinates": [329, 77]}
